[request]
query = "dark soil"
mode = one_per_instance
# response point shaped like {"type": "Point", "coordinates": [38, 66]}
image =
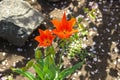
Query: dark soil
{"type": "Point", "coordinates": [104, 42]}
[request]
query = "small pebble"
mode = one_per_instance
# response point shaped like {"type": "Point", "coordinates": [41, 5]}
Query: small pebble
{"type": "Point", "coordinates": [28, 33]}
{"type": "Point", "coordinates": [99, 60]}
{"type": "Point", "coordinates": [118, 73]}
{"type": "Point", "coordinates": [115, 62]}
{"type": "Point", "coordinates": [19, 49]}
{"type": "Point", "coordinates": [65, 2]}
{"type": "Point", "coordinates": [96, 71]}
{"type": "Point", "coordinates": [73, 78]}
{"type": "Point", "coordinates": [92, 73]}
{"type": "Point", "coordinates": [79, 72]}
{"type": "Point", "coordinates": [14, 64]}
{"type": "Point", "coordinates": [107, 30]}
{"type": "Point", "coordinates": [33, 35]}
{"type": "Point", "coordinates": [4, 78]}
{"type": "Point", "coordinates": [54, 4]}
{"type": "Point", "coordinates": [91, 3]}
{"type": "Point", "coordinates": [4, 54]}
{"type": "Point", "coordinates": [75, 74]}
{"type": "Point", "coordinates": [91, 33]}
{"type": "Point", "coordinates": [119, 24]}
{"type": "Point", "coordinates": [105, 10]}
{"type": "Point", "coordinates": [68, 12]}
{"type": "Point", "coordinates": [99, 20]}
{"type": "Point", "coordinates": [89, 66]}
{"type": "Point", "coordinates": [94, 52]}
{"type": "Point", "coordinates": [109, 38]}
{"type": "Point", "coordinates": [95, 59]}
{"type": "Point", "coordinates": [3, 63]}
{"type": "Point", "coordinates": [28, 58]}
{"type": "Point", "coordinates": [103, 50]}
{"type": "Point", "coordinates": [94, 43]}
{"type": "Point", "coordinates": [109, 53]}
{"type": "Point", "coordinates": [99, 46]}
{"type": "Point", "coordinates": [30, 44]}
{"type": "Point", "coordinates": [119, 60]}
{"type": "Point", "coordinates": [84, 45]}
{"type": "Point", "coordinates": [101, 43]}
{"type": "Point", "coordinates": [116, 49]}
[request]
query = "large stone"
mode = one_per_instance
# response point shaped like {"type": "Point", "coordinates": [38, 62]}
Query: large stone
{"type": "Point", "coordinates": [18, 20]}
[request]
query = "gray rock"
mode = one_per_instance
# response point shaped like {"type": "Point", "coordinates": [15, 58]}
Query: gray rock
{"type": "Point", "coordinates": [18, 20]}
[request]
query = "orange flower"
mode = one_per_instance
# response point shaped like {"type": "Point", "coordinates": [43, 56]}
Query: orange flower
{"type": "Point", "coordinates": [64, 28]}
{"type": "Point", "coordinates": [45, 39]}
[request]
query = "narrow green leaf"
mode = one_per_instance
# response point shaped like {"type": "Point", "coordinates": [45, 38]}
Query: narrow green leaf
{"type": "Point", "coordinates": [24, 69]}
{"type": "Point", "coordinates": [38, 71]}
{"type": "Point", "coordinates": [29, 64]}
{"type": "Point", "coordinates": [29, 75]}
{"type": "Point", "coordinates": [50, 50]}
{"type": "Point", "coordinates": [79, 20]}
{"type": "Point", "coordinates": [69, 71]}
{"type": "Point", "coordinates": [84, 32]}
{"type": "Point", "coordinates": [40, 63]}
{"type": "Point", "coordinates": [38, 54]}
{"type": "Point", "coordinates": [81, 27]}
{"type": "Point", "coordinates": [53, 71]}
{"type": "Point", "coordinates": [86, 10]}
{"type": "Point", "coordinates": [92, 15]}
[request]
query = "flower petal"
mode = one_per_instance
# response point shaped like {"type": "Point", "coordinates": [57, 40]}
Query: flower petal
{"type": "Point", "coordinates": [37, 38]}
{"type": "Point", "coordinates": [72, 22]}
{"type": "Point", "coordinates": [45, 39]}
{"type": "Point", "coordinates": [64, 17]}
{"type": "Point", "coordinates": [56, 23]}
{"type": "Point", "coordinates": [64, 27]}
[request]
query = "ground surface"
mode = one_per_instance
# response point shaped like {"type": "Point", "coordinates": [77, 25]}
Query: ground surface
{"type": "Point", "coordinates": [103, 41]}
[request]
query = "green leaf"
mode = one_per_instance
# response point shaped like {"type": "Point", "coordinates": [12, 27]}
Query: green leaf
{"type": "Point", "coordinates": [40, 63]}
{"type": "Point", "coordinates": [84, 32]}
{"type": "Point", "coordinates": [29, 64]}
{"type": "Point", "coordinates": [53, 71]}
{"type": "Point", "coordinates": [81, 27]}
{"type": "Point", "coordinates": [39, 71]}
{"type": "Point", "coordinates": [38, 54]}
{"type": "Point", "coordinates": [50, 50]}
{"type": "Point", "coordinates": [29, 75]}
{"type": "Point", "coordinates": [24, 69]}
{"type": "Point", "coordinates": [76, 36]}
{"type": "Point", "coordinates": [69, 71]}
{"type": "Point", "coordinates": [92, 15]}
{"type": "Point", "coordinates": [86, 10]}
{"type": "Point", "coordinates": [79, 20]}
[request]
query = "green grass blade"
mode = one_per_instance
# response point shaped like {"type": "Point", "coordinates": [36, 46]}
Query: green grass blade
{"type": "Point", "coordinates": [29, 75]}
{"type": "Point", "coordinates": [38, 71]}
{"type": "Point", "coordinates": [69, 71]}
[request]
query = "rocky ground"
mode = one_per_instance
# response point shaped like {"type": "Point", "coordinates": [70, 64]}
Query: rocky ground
{"type": "Point", "coordinates": [103, 40]}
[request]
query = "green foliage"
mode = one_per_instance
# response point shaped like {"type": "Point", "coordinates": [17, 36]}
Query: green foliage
{"type": "Point", "coordinates": [38, 54]}
{"type": "Point", "coordinates": [74, 47]}
{"type": "Point", "coordinates": [68, 71]}
{"type": "Point", "coordinates": [91, 13]}
{"type": "Point", "coordinates": [46, 69]}
{"type": "Point", "coordinates": [29, 75]}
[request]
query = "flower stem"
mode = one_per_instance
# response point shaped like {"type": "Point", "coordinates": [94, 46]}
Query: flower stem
{"type": "Point", "coordinates": [63, 44]}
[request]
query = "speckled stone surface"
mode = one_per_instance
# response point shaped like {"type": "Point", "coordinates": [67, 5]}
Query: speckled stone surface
{"type": "Point", "coordinates": [18, 20]}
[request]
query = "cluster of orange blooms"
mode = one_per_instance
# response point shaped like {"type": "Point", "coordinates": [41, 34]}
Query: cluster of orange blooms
{"type": "Point", "coordinates": [64, 29]}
